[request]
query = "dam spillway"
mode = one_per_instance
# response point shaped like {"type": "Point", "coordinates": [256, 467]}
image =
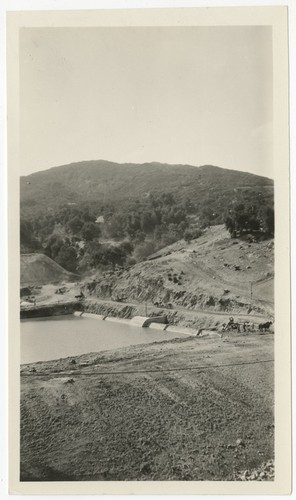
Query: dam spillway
{"type": "Point", "coordinates": [145, 321]}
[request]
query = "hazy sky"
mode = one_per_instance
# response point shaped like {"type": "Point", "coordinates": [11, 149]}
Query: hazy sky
{"type": "Point", "coordinates": [194, 95]}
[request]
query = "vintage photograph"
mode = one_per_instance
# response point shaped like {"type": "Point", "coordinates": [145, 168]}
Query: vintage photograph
{"type": "Point", "coordinates": [147, 226]}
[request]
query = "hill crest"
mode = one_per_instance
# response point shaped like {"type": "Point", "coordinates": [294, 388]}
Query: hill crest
{"type": "Point", "coordinates": [108, 182]}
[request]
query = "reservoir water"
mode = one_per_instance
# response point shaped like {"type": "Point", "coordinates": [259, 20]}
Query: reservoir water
{"type": "Point", "coordinates": [57, 337]}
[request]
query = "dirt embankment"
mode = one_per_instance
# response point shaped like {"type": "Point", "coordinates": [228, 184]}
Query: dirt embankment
{"type": "Point", "coordinates": [50, 310]}
{"type": "Point", "coordinates": [38, 269]}
{"type": "Point", "coordinates": [198, 284]}
{"type": "Point", "coordinates": [185, 409]}
{"type": "Point", "coordinates": [213, 273]}
{"type": "Point", "coordinates": [181, 317]}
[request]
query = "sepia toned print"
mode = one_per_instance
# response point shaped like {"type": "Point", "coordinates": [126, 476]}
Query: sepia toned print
{"type": "Point", "coordinates": [149, 199]}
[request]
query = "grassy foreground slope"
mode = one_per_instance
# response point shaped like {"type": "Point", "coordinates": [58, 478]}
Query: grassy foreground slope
{"type": "Point", "coordinates": [184, 409]}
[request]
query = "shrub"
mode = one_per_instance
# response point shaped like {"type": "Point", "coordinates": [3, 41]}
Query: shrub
{"type": "Point", "coordinates": [192, 234]}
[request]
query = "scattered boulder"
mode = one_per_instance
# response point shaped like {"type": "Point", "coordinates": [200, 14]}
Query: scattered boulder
{"type": "Point", "coordinates": [264, 473]}
{"type": "Point", "coordinates": [70, 381]}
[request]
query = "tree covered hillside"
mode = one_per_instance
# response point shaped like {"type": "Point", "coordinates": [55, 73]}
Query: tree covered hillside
{"type": "Point", "coordinates": [101, 181]}
{"type": "Point", "coordinates": [100, 214]}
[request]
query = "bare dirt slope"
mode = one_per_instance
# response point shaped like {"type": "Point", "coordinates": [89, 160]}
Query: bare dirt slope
{"type": "Point", "coordinates": [174, 410]}
{"type": "Point", "coordinates": [213, 272]}
{"type": "Point", "coordinates": [38, 269]}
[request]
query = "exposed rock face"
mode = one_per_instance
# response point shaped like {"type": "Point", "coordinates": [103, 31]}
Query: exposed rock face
{"type": "Point", "coordinates": [109, 309]}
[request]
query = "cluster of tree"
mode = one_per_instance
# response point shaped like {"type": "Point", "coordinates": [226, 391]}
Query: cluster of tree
{"type": "Point", "coordinates": [64, 251]}
{"type": "Point", "coordinates": [131, 231]}
{"type": "Point", "coordinates": [73, 221]}
{"type": "Point", "coordinates": [241, 219]}
{"type": "Point", "coordinates": [152, 216]}
{"type": "Point", "coordinates": [102, 255]}
{"type": "Point", "coordinates": [134, 229]}
{"type": "Point", "coordinates": [192, 234]}
{"type": "Point", "coordinates": [29, 242]}
{"type": "Point", "coordinates": [58, 234]}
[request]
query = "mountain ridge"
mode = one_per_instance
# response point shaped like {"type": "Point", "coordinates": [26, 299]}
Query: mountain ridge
{"type": "Point", "coordinates": [100, 181]}
{"type": "Point", "coordinates": [138, 165]}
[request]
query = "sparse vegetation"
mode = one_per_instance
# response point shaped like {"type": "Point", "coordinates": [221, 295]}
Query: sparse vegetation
{"type": "Point", "coordinates": [192, 234]}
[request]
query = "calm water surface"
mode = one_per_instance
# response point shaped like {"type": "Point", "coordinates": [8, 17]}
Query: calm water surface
{"type": "Point", "coordinates": [57, 337]}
